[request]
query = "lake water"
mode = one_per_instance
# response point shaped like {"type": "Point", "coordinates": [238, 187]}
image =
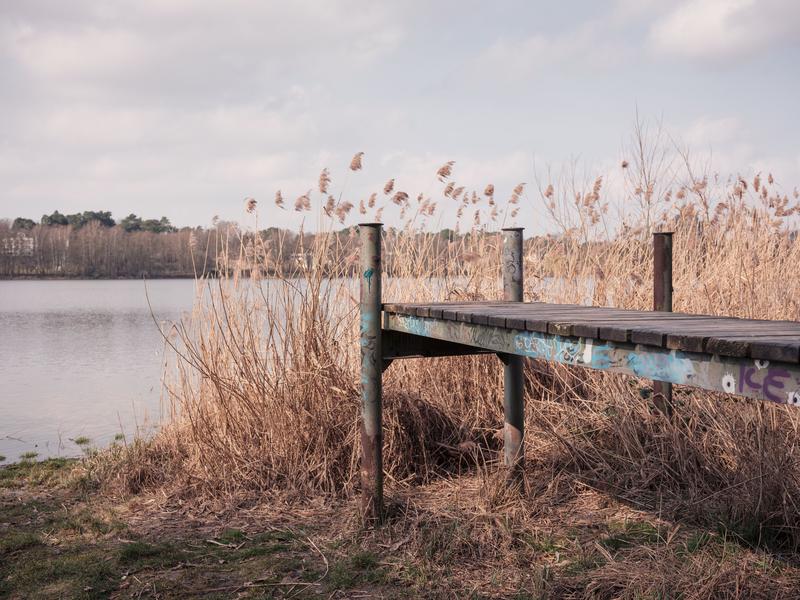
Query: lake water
{"type": "Point", "coordinates": [85, 358]}
{"type": "Point", "coordinates": [81, 359]}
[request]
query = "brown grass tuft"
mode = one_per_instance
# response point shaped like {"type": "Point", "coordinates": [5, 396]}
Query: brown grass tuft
{"type": "Point", "coordinates": [324, 181]}
{"type": "Point", "coordinates": [265, 391]}
{"type": "Point", "coordinates": [355, 164]}
{"type": "Point", "coordinates": [445, 170]}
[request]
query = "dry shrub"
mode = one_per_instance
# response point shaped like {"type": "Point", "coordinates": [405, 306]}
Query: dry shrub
{"type": "Point", "coordinates": [265, 392]}
{"type": "Point", "coordinates": [665, 573]}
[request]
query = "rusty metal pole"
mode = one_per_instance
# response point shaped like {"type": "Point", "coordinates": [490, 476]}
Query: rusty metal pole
{"type": "Point", "coordinates": [513, 377]}
{"type": "Point", "coordinates": [371, 374]}
{"type": "Point", "coordinates": [662, 301]}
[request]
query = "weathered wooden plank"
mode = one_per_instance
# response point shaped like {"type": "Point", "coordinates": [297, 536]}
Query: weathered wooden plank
{"type": "Point", "coordinates": [515, 322]}
{"type": "Point", "coordinates": [619, 327]}
{"type": "Point", "coordinates": [615, 328]}
{"type": "Point", "coordinates": [497, 320]}
{"type": "Point", "coordinates": [592, 312]}
{"type": "Point", "coordinates": [695, 339]}
{"type": "Point", "coordinates": [774, 381]}
{"type": "Point", "coordinates": [775, 350]}
{"type": "Point", "coordinates": [756, 346]}
{"type": "Point", "coordinates": [763, 339]}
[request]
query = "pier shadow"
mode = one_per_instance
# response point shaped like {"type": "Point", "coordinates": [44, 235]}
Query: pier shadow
{"type": "Point", "coordinates": [426, 443]}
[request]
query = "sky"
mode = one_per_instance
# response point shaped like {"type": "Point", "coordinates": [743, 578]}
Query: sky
{"type": "Point", "coordinates": [184, 108]}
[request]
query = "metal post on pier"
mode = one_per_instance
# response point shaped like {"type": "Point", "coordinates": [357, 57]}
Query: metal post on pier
{"type": "Point", "coordinates": [513, 377]}
{"type": "Point", "coordinates": [662, 301]}
{"type": "Point", "coordinates": [371, 374]}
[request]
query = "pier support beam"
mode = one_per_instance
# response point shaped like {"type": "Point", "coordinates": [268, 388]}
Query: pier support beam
{"type": "Point", "coordinates": [513, 378]}
{"type": "Point", "coordinates": [662, 301]}
{"type": "Point", "coordinates": [371, 374]}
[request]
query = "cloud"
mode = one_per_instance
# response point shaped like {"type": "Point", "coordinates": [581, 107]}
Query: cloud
{"type": "Point", "coordinates": [184, 107]}
{"type": "Point", "coordinates": [124, 104]}
{"type": "Point", "coordinates": [707, 131]}
{"type": "Point", "coordinates": [90, 52]}
{"type": "Point", "coordinates": [584, 46]}
{"type": "Point", "coordinates": [724, 145]}
{"type": "Point", "coordinates": [178, 50]}
{"type": "Point", "coordinates": [717, 30]}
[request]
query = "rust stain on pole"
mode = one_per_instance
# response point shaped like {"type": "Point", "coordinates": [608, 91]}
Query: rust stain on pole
{"type": "Point", "coordinates": [662, 301]}
{"type": "Point", "coordinates": [513, 375]}
{"type": "Point", "coordinates": [371, 374]}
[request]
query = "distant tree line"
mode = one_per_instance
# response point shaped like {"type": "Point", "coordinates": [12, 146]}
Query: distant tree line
{"type": "Point", "coordinates": [102, 217]}
{"type": "Point", "coordinates": [92, 244]}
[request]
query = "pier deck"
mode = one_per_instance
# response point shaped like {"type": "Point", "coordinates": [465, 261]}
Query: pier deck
{"type": "Point", "coordinates": [753, 358]}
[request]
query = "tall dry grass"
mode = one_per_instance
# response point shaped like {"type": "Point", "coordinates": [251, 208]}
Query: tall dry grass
{"type": "Point", "coordinates": [264, 391]}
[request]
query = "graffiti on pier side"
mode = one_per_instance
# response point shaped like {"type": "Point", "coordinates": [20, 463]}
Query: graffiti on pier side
{"type": "Point", "coordinates": [777, 382]}
{"type": "Point", "coordinates": [657, 364]}
{"type": "Point", "coordinates": [571, 351]}
{"type": "Point", "coordinates": [370, 361]}
{"type": "Point", "coordinates": [670, 366]}
{"type": "Point", "coordinates": [416, 326]}
{"type": "Point", "coordinates": [745, 377]}
{"type": "Point", "coordinates": [368, 276]}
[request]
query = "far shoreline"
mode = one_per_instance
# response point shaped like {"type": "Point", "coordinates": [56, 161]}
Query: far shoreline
{"type": "Point", "coordinates": [84, 278]}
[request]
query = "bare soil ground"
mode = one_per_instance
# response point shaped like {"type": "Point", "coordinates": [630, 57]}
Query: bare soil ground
{"type": "Point", "coordinates": [455, 539]}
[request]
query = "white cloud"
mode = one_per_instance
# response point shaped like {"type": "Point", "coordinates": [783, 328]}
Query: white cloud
{"type": "Point", "coordinates": [585, 46]}
{"type": "Point", "coordinates": [706, 131]}
{"type": "Point", "coordinates": [184, 107]}
{"type": "Point", "coordinates": [177, 49]}
{"type": "Point", "coordinates": [725, 29]}
{"type": "Point", "coordinates": [725, 145]}
{"type": "Point", "coordinates": [89, 52]}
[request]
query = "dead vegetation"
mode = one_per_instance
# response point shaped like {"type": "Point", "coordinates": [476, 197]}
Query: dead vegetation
{"type": "Point", "coordinates": [265, 398]}
{"type": "Point", "coordinates": [452, 538]}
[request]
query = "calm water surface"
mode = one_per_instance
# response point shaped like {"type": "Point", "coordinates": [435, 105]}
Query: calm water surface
{"type": "Point", "coordinates": [81, 358]}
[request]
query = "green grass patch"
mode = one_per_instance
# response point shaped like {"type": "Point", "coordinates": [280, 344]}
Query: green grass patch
{"type": "Point", "coordinates": [261, 550]}
{"type": "Point", "coordinates": [28, 472]}
{"type": "Point", "coordinates": [543, 544]}
{"type": "Point", "coordinates": [631, 533]}
{"type": "Point", "coordinates": [145, 554]}
{"type": "Point", "coordinates": [76, 573]}
{"type": "Point", "coordinates": [262, 544]}
{"type": "Point", "coordinates": [364, 561]}
{"type": "Point", "coordinates": [583, 564]}
{"type": "Point", "coordinates": [85, 521]}
{"type": "Point", "coordinates": [697, 541]}
{"type": "Point", "coordinates": [232, 536]}
{"type": "Point", "coordinates": [753, 533]}
{"type": "Point", "coordinates": [82, 440]}
{"type": "Point", "coordinates": [14, 541]}
{"type": "Point", "coordinates": [445, 541]}
{"type": "Point", "coordinates": [360, 568]}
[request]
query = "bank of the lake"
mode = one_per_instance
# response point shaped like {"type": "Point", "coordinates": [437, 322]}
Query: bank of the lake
{"type": "Point", "coordinates": [63, 537]}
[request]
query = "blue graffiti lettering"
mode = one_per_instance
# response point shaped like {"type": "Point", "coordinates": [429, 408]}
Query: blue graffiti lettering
{"type": "Point", "coordinates": [661, 367]}
{"type": "Point", "coordinates": [368, 274]}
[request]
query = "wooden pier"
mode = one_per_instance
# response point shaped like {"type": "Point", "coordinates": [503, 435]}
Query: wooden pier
{"type": "Point", "coordinates": [754, 358]}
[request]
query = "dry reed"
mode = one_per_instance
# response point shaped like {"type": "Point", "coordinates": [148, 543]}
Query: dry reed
{"type": "Point", "coordinates": [265, 386]}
